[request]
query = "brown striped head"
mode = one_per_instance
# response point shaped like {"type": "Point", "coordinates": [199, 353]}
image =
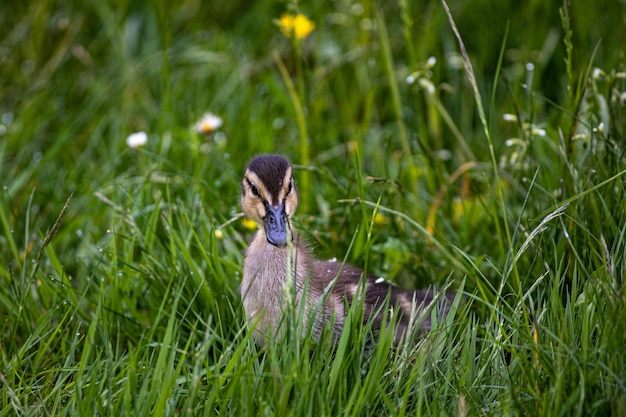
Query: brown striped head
{"type": "Point", "coordinates": [269, 196]}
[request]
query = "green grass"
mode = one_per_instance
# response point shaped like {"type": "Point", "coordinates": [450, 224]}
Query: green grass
{"type": "Point", "coordinates": [497, 167]}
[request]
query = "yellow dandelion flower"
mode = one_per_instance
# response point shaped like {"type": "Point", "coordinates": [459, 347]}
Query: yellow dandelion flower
{"type": "Point", "coordinates": [295, 25]}
{"type": "Point", "coordinates": [249, 224]}
{"type": "Point", "coordinates": [219, 235]}
{"type": "Point", "coordinates": [380, 219]}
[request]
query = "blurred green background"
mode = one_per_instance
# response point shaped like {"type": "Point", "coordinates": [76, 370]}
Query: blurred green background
{"type": "Point", "coordinates": [79, 77]}
{"type": "Point", "coordinates": [388, 115]}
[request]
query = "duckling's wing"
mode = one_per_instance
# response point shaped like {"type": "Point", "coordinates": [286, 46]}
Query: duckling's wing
{"type": "Point", "coordinates": [381, 297]}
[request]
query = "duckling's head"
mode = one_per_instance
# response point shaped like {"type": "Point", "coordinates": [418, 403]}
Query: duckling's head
{"type": "Point", "coordinates": [269, 196]}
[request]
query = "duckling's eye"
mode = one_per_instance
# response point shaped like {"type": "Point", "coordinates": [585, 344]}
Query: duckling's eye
{"type": "Point", "coordinates": [255, 190]}
{"type": "Point", "coordinates": [289, 187]}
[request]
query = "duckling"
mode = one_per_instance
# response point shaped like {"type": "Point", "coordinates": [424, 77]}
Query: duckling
{"type": "Point", "coordinates": [277, 260]}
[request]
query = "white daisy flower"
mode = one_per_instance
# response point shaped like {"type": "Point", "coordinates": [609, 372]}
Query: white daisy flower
{"type": "Point", "coordinates": [137, 139]}
{"type": "Point", "coordinates": [209, 123]}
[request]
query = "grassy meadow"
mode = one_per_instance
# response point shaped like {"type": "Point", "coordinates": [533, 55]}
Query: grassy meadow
{"type": "Point", "coordinates": [478, 146]}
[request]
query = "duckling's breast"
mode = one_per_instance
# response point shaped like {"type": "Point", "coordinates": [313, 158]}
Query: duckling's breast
{"type": "Point", "coordinates": [275, 282]}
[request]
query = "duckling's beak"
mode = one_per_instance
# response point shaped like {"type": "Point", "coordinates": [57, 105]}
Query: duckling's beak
{"type": "Point", "coordinates": [276, 225]}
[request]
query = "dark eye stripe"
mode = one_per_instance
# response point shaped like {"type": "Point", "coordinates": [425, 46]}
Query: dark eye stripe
{"type": "Point", "coordinates": [253, 188]}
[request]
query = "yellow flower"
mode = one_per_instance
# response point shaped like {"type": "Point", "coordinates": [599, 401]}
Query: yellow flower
{"type": "Point", "coordinates": [249, 224]}
{"type": "Point", "coordinates": [380, 219]}
{"type": "Point", "coordinates": [295, 25]}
